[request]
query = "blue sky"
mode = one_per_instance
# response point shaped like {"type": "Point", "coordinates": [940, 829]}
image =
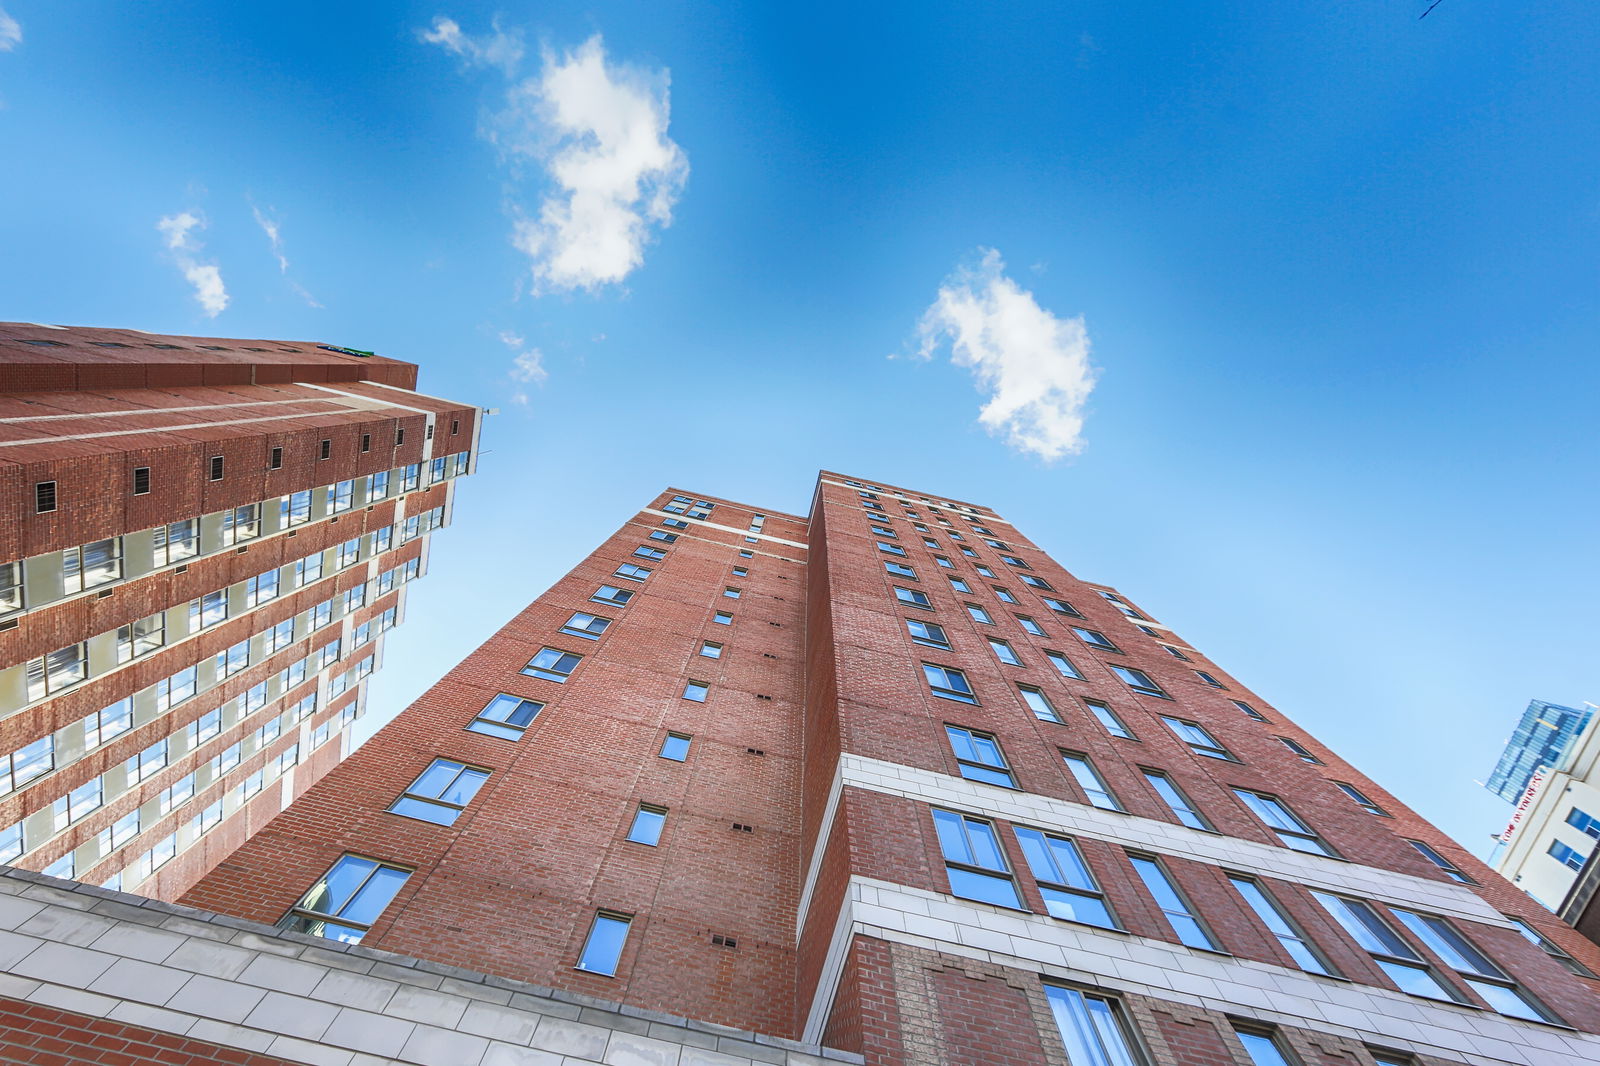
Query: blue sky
{"type": "Point", "coordinates": [1291, 309]}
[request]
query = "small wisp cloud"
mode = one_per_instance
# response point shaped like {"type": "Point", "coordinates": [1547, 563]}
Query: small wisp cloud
{"type": "Point", "coordinates": [274, 231]}
{"type": "Point", "coordinates": [527, 366]}
{"type": "Point", "coordinates": [597, 130]}
{"type": "Point", "coordinates": [177, 232]}
{"type": "Point", "coordinates": [10, 32]}
{"type": "Point", "coordinates": [1031, 364]}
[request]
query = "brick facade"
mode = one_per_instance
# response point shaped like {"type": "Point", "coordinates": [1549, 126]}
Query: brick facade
{"type": "Point", "coordinates": [800, 887]}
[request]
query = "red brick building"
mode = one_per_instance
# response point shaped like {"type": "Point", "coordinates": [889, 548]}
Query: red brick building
{"type": "Point", "coordinates": [887, 778]}
{"type": "Point", "coordinates": [202, 543]}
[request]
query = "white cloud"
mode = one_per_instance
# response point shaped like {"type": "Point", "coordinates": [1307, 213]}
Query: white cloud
{"type": "Point", "coordinates": [598, 131]}
{"type": "Point", "coordinates": [527, 366]}
{"type": "Point", "coordinates": [274, 231]}
{"type": "Point", "coordinates": [269, 226]}
{"type": "Point", "coordinates": [1033, 366]}
{"type": "Point", "coordinates": [10, 32]}
{"type": "Point", "coordinates": [499, 49]}
{"type": "Point", "coordinates": [206, 278]}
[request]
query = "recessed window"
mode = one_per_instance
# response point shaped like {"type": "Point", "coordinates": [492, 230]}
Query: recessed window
{"type": "Point", "coordinates": [978, 757]}
{"type": "Point", "coordinates": [740, 571]}
{"type": "Point", "coordinates": [1427, 852]}
{"type": "Point", "coordinates": [696, 691]}
{"type": "Point", "coordinates": [441, 792]}
{"type": "Point", "coordinates": [1039, 703]}
{"type": "Point", "coordinates": [327, 450]}
{"type": "Point", "coordinates": [722, 618]}
{"type": "Point", "coordinates": [959, 585]}
{"type": "Point", "coordinates": [1177, 802]}
{"type": "Point", "coordinates": [1299, 749]}
{"type": "Point", "coordinates": [1095, 789]}
{"type": "Point", "coordinates": [1029, 625]}
{"type": "Point", "coordinates": [900, 570]}
{"type": "Point", "coordinates": [1263, 1047]}
{"type": "Point", "coordinates": [1065, 881]}
{"type": "Point", "coordinates": [366, 442]}
{"type": "Point", "coordinates": [927, 634]}
{"type": "Point", "coordinates": [711, 649]}
{"type": "Point", "coordinates": [1492, 984]}
{"type": "Point", "coordinates": [1061, 607]}
{"type": "Point", "coordinates": [1249, 711]}
{"type": "Point", "coordinates": [585, 625]}
{"type": "Point", "coordinates": [1396, 958]}
{"type": "Point", "coordinates": [1063, 665]}
{"type": "Point", "coordinates": [979, 614]}
{"type": "Point", "coordinates": [552, 664]}
{"type": "Point", "coordinates": [1176, 653]}
{"type": "Point", "coordinates": [602, 948]}
{"type": "Point", "coordinates": [275, 459]}
{"type": "Point", "coordinates": [1200, 742]}
{"type": "Point", "coordinates": [1175, 907]}
{"type": "Point", "coordinates": [891, 549]}
{"type": "Point", "coordinates": [948, 683]}
{"type": "Point", "coordinates": [216, 468]}
{"type": "Point", "coordinates": [1108, 719]}
{"type": "Point", "coordinates": [343, 905]}
{"type": "Point", "coordinates": [1361, 799]}
{"type": "Point", "coordinates": [1002, 595]}
{"type": "Point", "coordinates": [1208, 679]}
{"type": "Point", "coordinates": [648, 822]}
{"type": "Point", "coordinates": [1004, 652]}
{"type": "Point", "coordinates": [399, 436]}
{"type": "Point", "coordinates": [1093, 1028]}
{"type": "Point", "coordinates": [1294, 942]}
{"type": "Point", "coordinates": [1293, 832]}
{"type": "Point", "coordinates": [913, 598]}
{"type": "Point", "coordinates": [1095, 639]}
{"type": "Point", "coordinates": [675, 747]}
{"type": "Point", "coordinates": [1549, 947]}
{"type": "Point", "coordinates": [942, 561]}
{"type": "Point", "coordinates": [973, 861]}
{"type": "Point", "coordinates": [632, 572]}
{"type": "Point", "coordinates": [674, 523]}
{"type": "Point", "coordinates": [1034, 581]}
{"type": "Point", "coordinates": [612, 595]}
{"type": "Point", "coordinates": [141, 481]}
{"type": "Point", "coordinates": [44, 497]}
{"type": "Point", "coordinates": [644, 551]}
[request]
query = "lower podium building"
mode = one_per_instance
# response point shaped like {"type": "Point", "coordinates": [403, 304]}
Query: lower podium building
{"type": "Point", "coordinates": [880, 784]}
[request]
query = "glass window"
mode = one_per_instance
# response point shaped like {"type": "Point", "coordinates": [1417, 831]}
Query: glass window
{"type": "Point", "coordinates": [1473, 966]}
{"type": "Point", "coordinates": [675, 747]}
{"type": "Point", "coordinates": [11, 597]}
{"type": "Point", "coordinates": [1065, 881]}
{"type": "Point", "coordinates": [602, 948]}
{"type": "Point", "coordinates": [441, 792]}
{"type": "Point", "coordinates": [722, 618]}
{"type": "Point", "coordinates": [1549, 947]}
{"type": "Point", "coordinates": [1003, 651]}
{"type": "Point", "coordinates": [891, 549]}
{"type": "Point", "coordinates": [347, 900]}
{"type": "Point", "coordinates": [1200, 742]}
{"type": "Point", "coordinates": [91, 565]}
{"type": "Point", "coordinates": [1174, 905]}
{"type": "Point", "coordinates": [1178, 803]}
{"type": "Point", "coordinates": [506, 717]}
{"type": "Point", "coordinates": [973, 860]}
{"type": "Point", "coordinates": [240, 524]}
{"type": "Point", "coordinates": [632, 572]}
{"type": "Point", "coordinates": [1294, 942]}
{"type": "Point", "coordinates": [648, 821]}
{"type": "Point", "coordinates": [1428, 852]}
{"type": "Point", "coordinates": [913, 598]}
{"type": "Point", "coordinates": [1093, 1029]}
{"type": "Point", "coordinates": [948, 683]}
{"type": "Point", "coordinates": [1108, 719]}
{"type": "Point", "coordinates": [1393, 955]}
{"type": "Point", "coordinates": [585, 625]}
{"type": "Point", "coordinates": [695, 691]}
{"type": "Point", "coordinates": [1299, 749]}
{"type": "Point", "coordinates": [979, 614]}
{"type": "Point", "coordinates": [57, 671]}
{"type": "Point", "coordinates": [1583, 822]}
{"type": "Point", "coordinates": [1176, 653]}
{"type": "Point", "coordinates": [611, 594]}
{"type": "Point", "coordinates": [1361, 800]}
{"type": "Point", "coordinates": [959, 585]}
{"type": "Point", "coordinates": [1002, 595]}
{"type": "Point", "coordinates": [927, 633]}
{"type": "Point", "coordinates": [1249, 710]}
{"type": "Point", "coordinates": [1208, 679]}
{"type": "Point", "coordinates": [644, 551]}
{"type": "Point", "coordinates": [1039, 704]}
{"type": "Point", "coordinates": [1063, 665]}
{"type": "Point", "coordinates": [900, 570]}
{"type": "Point", "coordinates": [208, 610]}
{"type": "Point", "coordinates": [711, 649]}
{"type": "Point", "coordinates": [1139, 681]}
{"type": "Point", "coordinates": [176, 541]}
{"type": "Point", "coordinates": [1263, 1047]}
{"type": "Point", "coordinates": [552, 664]}
{"type": "Point", "coordinates": [1285, 823]}
{"type": "Point", "coordinates": [1061, 607]}
{"type": "Point", "coordinates": [1029, 625]}
{"type": "Point", "coordinates": [978, 757]}
{"type": "Point", "coordinates": [27, 763]}
{"type": "Point", "coordinates": [1089, 779]}
{"type": "Point", "coordinates": [1567, 855]}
